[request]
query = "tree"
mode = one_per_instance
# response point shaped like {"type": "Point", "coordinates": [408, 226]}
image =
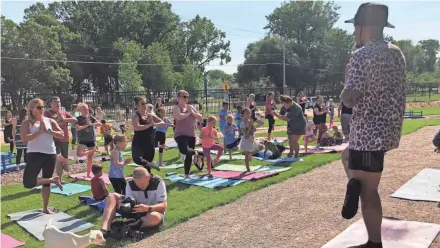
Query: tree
{"type": "Point", "coordinates": [431, 48]}
{"type": "Point", "coordinates": [159, 74]}
{"type": "Point", "coordinates": [217, 77]}
{"type": "Point", "coordinates": [129, 77]}
{"type": "Point", "coordinates": [190, 78]}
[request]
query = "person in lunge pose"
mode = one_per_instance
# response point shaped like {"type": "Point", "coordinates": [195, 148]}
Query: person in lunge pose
{"type": "Point", "coordinates": [376, 88]}
{"type": "Point", "coordinates": [209, 136]}
{"type": "Point", "coordinates": [161, 133]}
{"type": "Point", "coordinates": [247, 143]}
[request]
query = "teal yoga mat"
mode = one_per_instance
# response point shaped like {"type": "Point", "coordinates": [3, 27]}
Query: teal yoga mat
{"type": "Point", "coordinates": [205, 181]}
{"type": "Point", "coordinates": [242, 168]}
{"type": "Point", "coordinates": [68, 189]}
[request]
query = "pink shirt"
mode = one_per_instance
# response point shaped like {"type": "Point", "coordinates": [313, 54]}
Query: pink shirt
{"type": "Point", "coordinates": [207, 141]}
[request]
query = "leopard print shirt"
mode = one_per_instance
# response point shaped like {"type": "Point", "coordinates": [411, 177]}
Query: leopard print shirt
{"type": "Point", "coordinates": [377, 70]}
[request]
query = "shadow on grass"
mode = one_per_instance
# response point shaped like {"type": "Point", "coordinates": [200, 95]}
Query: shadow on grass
{"type": "Point", "coordinates": [178, 186]}
{"type": "Point", "coordinates": [18, 195]}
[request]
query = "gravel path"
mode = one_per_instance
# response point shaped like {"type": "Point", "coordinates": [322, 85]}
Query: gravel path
{"type": "Point", "coordinates": [305, 211]}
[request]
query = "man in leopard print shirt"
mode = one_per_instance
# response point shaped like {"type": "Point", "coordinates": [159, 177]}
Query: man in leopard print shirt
{"type": "Point", "coordinates": [376, 89]}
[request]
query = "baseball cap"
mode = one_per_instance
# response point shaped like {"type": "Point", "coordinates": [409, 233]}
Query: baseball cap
{"type": "Point", "coordinates": [371, 14]}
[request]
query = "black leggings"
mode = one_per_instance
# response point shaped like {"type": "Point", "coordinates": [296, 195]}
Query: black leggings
{"type": "Point", "coordinates": [142, 151]}
{"type": "Point", "coordinates": [8, 139]}
{"type": "Point", "coordinates": [159, 140]}
{"type": "Point", "coordinates": [122, 127]}
{"type": "Point", "coordinates": [186, 145]}
{"type": "Point", "coordinates": [19, 153]}
{"type": "Point", "coordinates": [271, 123]}
{"type": "Point", "coordinates": [37, 162]}
{"type": "Point", "coordinates": [119, 185]}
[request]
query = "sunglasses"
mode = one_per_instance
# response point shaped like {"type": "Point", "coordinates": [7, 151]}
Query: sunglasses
{"type": "Point", "coordinates": [186, 97]}
{"type": "Point", "coordinates": [39, 107]}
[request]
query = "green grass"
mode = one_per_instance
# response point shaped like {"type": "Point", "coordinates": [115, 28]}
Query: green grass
{"type": "Point", "coordinates": [435, 110]}
{"type": "Point", "coordinates": [184, 201]}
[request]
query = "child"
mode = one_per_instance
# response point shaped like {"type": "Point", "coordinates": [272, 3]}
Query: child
{"type": "Point", "coordinates": [208, 135]}
{"type": "Point", "coordinates": [326, 138]}
{"type": "Point", "coordinates": [117, 163]}
{"type": "Point", "coordinates": [238, 118]}
{"type": "Point", "coordinates": [86, 135]}
{"type": "Point", "coordinates": [310, 136]}
{"type": "Point", "coordinates": [106, 131]}
{"type": "Point", "coordinates": [331, 108]}
{"type": "Point", "coordinates": [222, 113]}
{"type": "Point", "coordinates": [99, 188]}
{"type": "Point", "coordinates": [436, 142]}
{"type": "Point", "coordinates": [247, 142]}
{"type": "Point", "coordinates": [161, 136]}
{"type": "Point", "coordinates": [231, 142]}
{"type": "Point", "coordinates": [338, 138]}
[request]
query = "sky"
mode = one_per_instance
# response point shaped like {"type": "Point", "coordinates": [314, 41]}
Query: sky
{"type": "Point", "coordinates": [243, 21]}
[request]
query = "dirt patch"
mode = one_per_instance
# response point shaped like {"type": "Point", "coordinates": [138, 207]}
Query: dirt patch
{"type": "Point", "coordinates": [304, 211]}
{"type": "Point", "coordinates": [422, 104]}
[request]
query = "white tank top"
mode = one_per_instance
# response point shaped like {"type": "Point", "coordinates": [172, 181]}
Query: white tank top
{"type": "Point", "coordinates": [43, 143]}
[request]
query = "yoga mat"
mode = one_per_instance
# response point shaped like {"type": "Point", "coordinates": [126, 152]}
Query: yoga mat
{"type": "Point", "coordinates": [395, 234]}
{"type": "Point", "coordinates": [172, 166]}
{"type": "Point", "coordinates": [98, 205]}
{"type": "Point", "coordinates": [279, 139]}
{"type": "Point", "coordinates": [171, 144]}
{"type": "Point", "coordinates": [12, 167]}
{"type": "Point", "coordinates": [126, 153]}
{"type": "Point", "coordinates": [336, 148]}
{"type": "Point", "coordinates": [237, 175]}
{"type": "Point", "coordinates": [7, 154]}
{"type": "Point", "coordinates": [83, 176]}
{"type": "Point", "coordinates": [423, 187]}
{"type": "Point", "coordinates": [313, 151]}
{"type": "Point", "coordinates": [205, 181]}
{"type": "Point", "coordinates": [242, 168]}
{"type": "Point", "coordinates": [34, 221]}
{"type": "Point", "coordinates": [234, 157]}
{"type": "Point", "coordinates": [10, 242]}
{"type": "Point", "coordinates": [68, 189]}
{"type": "Point", "coordinates": [279, 160]}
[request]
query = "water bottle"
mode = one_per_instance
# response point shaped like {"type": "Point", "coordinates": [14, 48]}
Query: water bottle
{"type": "Point", "coordinates": [275, 142]}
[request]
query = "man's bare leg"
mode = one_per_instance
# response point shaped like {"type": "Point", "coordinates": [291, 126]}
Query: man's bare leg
{"type": "Point", "coordinates": [370, 203]}
{"type": "Point", "coordinates": [111, 205]}
{"type": "Point", "coordinates": [151, 220]}
{"type": "Point", "coordinates": [344, 158]}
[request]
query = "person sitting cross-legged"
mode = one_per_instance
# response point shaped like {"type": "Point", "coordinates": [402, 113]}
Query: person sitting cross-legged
{"type": "Point", "coordinates": [149, 191]}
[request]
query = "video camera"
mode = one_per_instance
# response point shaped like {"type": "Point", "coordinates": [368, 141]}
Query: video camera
{"type": "Point", "coordinates": [127, 204]}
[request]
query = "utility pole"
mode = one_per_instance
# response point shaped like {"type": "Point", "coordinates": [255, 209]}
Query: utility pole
{"type": "Point", "coordinates": [284, 67]}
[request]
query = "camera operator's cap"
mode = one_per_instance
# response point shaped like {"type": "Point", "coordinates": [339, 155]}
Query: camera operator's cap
{"type": "Point", "coordinates": [371, 14]}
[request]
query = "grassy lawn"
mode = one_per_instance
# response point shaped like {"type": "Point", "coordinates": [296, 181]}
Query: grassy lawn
{"type": "Point", "coordinates": [435, 110]}
{"type": "Point", "coordinates": [184, 201]}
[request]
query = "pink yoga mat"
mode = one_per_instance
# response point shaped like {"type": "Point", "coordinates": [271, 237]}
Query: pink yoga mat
{"type": "Point", "coordinates": [10, 242]}
{"type": "Point", "coordinates": [243, 175]}
{"type": "Point", "coordinates": [83, 176]}
{"type": "Point", "coordinates": [395, 234]}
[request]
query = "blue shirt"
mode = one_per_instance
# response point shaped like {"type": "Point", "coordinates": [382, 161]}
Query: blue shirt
{"type": "Point", "coordinates": [116, 172]}
{"type": "Point", "coordinates": [164, 129]}
{"type": "Point", "coordinates": [230, 134]}
{"type": "Point", "coordinates": [238, 119]}
{"type": "Point", "coordinates": [222, 113]}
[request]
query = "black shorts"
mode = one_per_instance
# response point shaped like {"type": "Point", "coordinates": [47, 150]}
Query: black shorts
{"type": "Point", "coordinates": [88, 144]}
{"type": "Point", "coordinates": [62, 148]}
{"type": "Point", "coordinates": [369, 161]}
{"type": "Point", "coordinates": [233, 144]}
{"type": "Point", "coordinates": [37, 162]}
{"type": "Point", "coordinates": [108, 139]}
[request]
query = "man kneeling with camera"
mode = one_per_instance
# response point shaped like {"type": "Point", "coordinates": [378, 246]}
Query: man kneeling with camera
{"type": "Point", "coordinates": [145, 200]}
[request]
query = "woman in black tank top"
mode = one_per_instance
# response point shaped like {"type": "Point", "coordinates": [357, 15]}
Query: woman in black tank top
{"type": "Point", "coordinates": [302, 101]}
{"type": "Point", "coordinates": [142, 146]}
{"type": "Point", "coordinates": [319, 116]}
{"type": "Point", "coordinates": [19, 143]}
{"type": "Point", "coordinates": [7, 131]}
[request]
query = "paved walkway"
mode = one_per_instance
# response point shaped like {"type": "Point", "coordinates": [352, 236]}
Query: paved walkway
{"type": "Point", "coordinates": [304, 211]}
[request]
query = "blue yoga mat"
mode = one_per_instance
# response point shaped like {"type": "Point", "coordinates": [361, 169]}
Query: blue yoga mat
{"type": "Point", "coordinates": [205, 181]}
{"type": "Point", "coordinates": [279, 160]}
{"type": "Point", "coordinates": [68, 189]}
{"type": "Point", "coordinates": [98, 205]}
{"type": "Point", "coordinates": [171, 144]}
{"type": "Point", "coordinates": [12, 167]}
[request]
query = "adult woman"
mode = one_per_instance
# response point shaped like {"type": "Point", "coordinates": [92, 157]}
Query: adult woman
{"type": "Point", "coordinates": [38, 131]}
{"type": "Point", "coordinates": [270, 107]}
{"type": "Point", "coordinates": [7, 131]}
{"type": "Point", "coordinates": [296, 123]}
{"type": "Point", "coordinates": [142, 146]}
{"type": "Point", "coordinates": [302, 101]}
{"type": "Point", "coordinates": [319, 116]}
{"type": "Point", "coordinates": [186, 117]}
{"type": "Point", "coordinates": [252, 105]}
{"type": "Point", "coordinates": [19, 143]}
{"type": "Point", "coordinates": [158, 104]}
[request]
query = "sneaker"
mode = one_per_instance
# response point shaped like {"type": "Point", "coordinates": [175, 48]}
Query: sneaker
{"type": "Point", "coordinates": [351, 202]}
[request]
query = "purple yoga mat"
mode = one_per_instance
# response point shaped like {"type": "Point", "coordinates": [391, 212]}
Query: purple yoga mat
{"type": "Point", "coordinates": [83, 176]}
{"type": "Point", "coordinates": [237, 175]}
{"type": "Point", "coordinates": [10, 242]}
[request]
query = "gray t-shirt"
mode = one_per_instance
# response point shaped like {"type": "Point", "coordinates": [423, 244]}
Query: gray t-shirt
{"type": "Point", "coordinates": [296, 123]}
{"type": "Point", "coordinates": [87, 134]}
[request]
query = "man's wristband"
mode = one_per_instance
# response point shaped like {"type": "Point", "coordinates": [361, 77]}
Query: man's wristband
{"type": "Point", "coordinates": [149, 209]}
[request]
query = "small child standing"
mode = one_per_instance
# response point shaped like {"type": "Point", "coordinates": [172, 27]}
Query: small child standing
{"type": "Point", "coordinates": [208, 135]}
{"type": "Point", "coordinates": [238, 119]}
{"type": "Point", "coordinates": [338, 138]}
{"type": "Point", "coordinates": [247, 142]}
{"type": "Point", "coordinates": [310, 135]}
{"type": "Point", "coordinates": [117, 163]}
{"type": "Point", "coordinates": [331, 108]}
{"type": "Point", "coordinates": [436, 142]}
{"type": "Point", "coordinates": [161, 133]}
{"type": "Point", "coordinates": [99, 188]}
{"type": "Point", "coordinates": [231, 141]}
{"type": "Point", "coordinates": [222, 113]}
